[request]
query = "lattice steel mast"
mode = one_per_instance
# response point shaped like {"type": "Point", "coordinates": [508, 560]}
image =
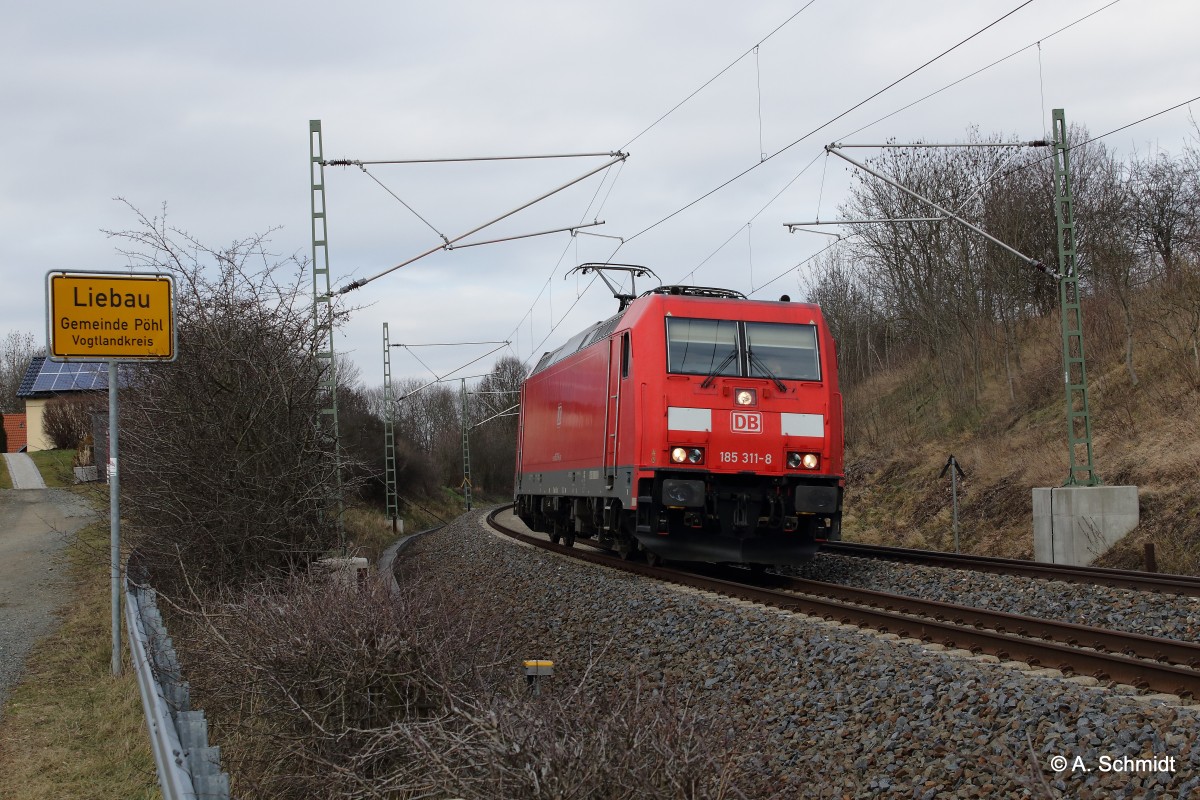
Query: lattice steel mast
{"type": "Point", "coordinates": [389, 435]}
{"type": "Point", "coordinates": [323, 319]}
{"type": "Point", "coordinates": [1079, 424]}
{"type": "Point", "coordinates": [1079, 420]}
{"type": "Point", "coordinates": [466, 429]}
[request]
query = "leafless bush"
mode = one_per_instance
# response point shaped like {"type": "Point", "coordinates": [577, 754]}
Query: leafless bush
{"type": "Point", "coordinates": [319, 690]}
{"type": "Point", "coordinates": [68, 420]}
{"type": "Point", "coordinates": [225, 472]}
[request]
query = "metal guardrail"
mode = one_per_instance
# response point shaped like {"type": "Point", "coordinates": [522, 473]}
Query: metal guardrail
{"type": "Point", "coordinates": [188, 768]}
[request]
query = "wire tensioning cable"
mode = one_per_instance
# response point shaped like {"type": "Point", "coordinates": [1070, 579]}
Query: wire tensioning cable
{"type": "Point", "coordinates": [730, 66]}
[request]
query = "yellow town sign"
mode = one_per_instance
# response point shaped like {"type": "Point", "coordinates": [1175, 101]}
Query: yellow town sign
{"type": "Point", "coordinates": [97, 316]}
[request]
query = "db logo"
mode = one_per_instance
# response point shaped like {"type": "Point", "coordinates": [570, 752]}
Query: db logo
{"type": "Point", "coordinates": [746, 422]}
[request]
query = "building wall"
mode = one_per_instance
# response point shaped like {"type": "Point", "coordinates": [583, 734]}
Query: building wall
{"type": "Point", "coordinates": [14, 432]}
{"type": "Point", "coordinates": [35, 433]}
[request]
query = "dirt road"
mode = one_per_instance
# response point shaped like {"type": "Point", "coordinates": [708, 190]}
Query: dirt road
{"type": "Point", "coordinates": [35, 526]}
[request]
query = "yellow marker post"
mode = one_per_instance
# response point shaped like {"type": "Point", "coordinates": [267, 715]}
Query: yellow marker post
{"type": "Point", "coordinates": [535, 670]}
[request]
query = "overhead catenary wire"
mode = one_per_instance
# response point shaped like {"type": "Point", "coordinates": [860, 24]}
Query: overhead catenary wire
{"type": "Point", "coordinates": [996, 177]}
{"type": "Point", "coordinates": [363, 281]}
{"type": "Point", "coordinates": [529, 313]}
{"type": "Point", "coordinates": [1146, 118]}
{"type": "Point", "coordinates": [829, 122]}
{"type": "Point", "coordinates": [355, 162]}
{"type": "Point", "coordinates": [440, 378]}
{"type": "Point", "coordinates": [728, 67]}
{"type": "Point", "coordinates": [555, 324]}
{"type": "Point", "coordinates": [980, 70]}
{"type": "Point", "coordinates": [448, 344]}
{"type": "Point", "coordinates": [893, 113]}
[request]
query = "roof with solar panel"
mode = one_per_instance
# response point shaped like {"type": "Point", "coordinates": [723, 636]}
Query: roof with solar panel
{"type": "Point", "coordinates": [46, 378]}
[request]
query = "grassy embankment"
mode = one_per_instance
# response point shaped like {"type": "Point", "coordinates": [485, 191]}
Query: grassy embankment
{"type": "Point", "coordinates": [369, 531]}
{"type": "Point", "coordinates": [71, 730]}
{"type": "Point", "coordinates": [56, 466]}
{"type": "Point", "coordinates": [1011, 437]}
{"type": "Point", "coordinates": [5, 478]}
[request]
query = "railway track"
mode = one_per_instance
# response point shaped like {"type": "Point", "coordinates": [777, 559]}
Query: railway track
{"type": "Point", "coordinates": [1121, 578]}
{"type": "Point", "coordinates": [1149, 663]}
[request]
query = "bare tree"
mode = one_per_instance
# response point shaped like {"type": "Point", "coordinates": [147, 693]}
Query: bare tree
{"type": "Point", "coordinates": [16, 351]}
{"type": "Point", "coordinates": [494, 426]}
{"type": "Point", "coordinates": [1163, 208]}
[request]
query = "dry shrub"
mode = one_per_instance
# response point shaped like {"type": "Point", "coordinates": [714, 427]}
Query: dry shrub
{"type": "Point", "coordinates": [321, 690]}
{"type": "Point", "coordinates": [68, 420]}
{"type": "Point", "coordinates": [225, 471]}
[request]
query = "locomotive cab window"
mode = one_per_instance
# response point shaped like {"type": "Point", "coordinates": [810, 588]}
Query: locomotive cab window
{"type": "Point", "coordinates": [775, 350]}
{"type": "Point", "coordinates": [702, 346]}
{"type": "Point", "coordinates": [782, 350]}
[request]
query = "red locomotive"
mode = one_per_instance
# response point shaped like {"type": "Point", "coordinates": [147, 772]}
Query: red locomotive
{"type": "Point", "coordinates": [695, 425]}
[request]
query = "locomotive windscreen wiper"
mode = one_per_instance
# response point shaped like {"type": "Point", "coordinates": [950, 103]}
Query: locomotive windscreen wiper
{"type": "Point", "coordinates": [712, 376]}
{"type": "Point", "coordinates": [756, 361]}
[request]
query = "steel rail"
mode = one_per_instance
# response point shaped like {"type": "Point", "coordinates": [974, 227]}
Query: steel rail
{"type": "Point", "coordinates": [1113, 666]}
{"type": "Point", "coordinates": [1121, 578]}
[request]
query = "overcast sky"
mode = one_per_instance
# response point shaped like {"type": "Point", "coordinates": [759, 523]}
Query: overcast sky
{"type": "Point", "coordinates": [205, 106]}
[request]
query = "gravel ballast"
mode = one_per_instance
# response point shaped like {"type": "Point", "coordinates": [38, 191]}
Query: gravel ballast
{"type": "Point", "coordinates": [821, 709]}
{"type": "Point", "coordinates": [1166, 615]}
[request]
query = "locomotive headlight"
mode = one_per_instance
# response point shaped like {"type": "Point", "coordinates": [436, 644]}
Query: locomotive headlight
{"type": "Point", "coordinates": [806, 460]}
{"type": "Point", "coordinates": [745, 397]}
{"type": "Point", "coordinates": [683, 455]}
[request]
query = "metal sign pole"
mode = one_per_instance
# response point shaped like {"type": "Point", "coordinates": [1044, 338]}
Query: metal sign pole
{"type": "Point", "coordinates": [954, 501]}
{"type": "Point", "coordinates": [955, 473]}
{"type": "Point", "coordinates": [105, 317]}
{"type": "Point", "coordinates": [114, 490]}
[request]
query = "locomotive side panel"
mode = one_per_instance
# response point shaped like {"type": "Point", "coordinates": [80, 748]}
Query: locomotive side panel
{"type": "Point", "coordinates": [564, 413]}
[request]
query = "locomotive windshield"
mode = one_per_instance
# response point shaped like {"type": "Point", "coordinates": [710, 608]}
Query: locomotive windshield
{"type": "Point", "coordinates": [783, 351]}
{"type": "Point", "coordinates": [702, 346]}
{"type": "Point", "coordinates": [713, 347]}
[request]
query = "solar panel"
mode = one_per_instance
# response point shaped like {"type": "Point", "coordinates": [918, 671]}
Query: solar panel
{"type": "Point", "coordinates": [35, 367]}
{"type": "Point", "coordinates": [71, 376]}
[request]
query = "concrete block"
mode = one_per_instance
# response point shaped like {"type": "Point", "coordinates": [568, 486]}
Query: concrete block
{"type": "Point", "coordinates": [1076, 524]}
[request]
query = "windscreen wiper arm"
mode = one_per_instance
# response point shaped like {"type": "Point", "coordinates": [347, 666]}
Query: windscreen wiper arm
{"type": "Point", "coordinates": [755, 360]}
{"type": "Point", "coordinates": [712, 376]}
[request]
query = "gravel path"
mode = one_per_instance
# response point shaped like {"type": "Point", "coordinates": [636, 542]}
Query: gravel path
{"type": "Point", "coordinates": [35, 525]}
{"type": "Point", "coordinates": [824, 710]}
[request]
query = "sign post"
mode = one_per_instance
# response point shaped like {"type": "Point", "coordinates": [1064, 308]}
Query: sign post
{"type": "Point", "coordinates": [955, 473]}
{"type": "Point", "coordinates": [113, 317]}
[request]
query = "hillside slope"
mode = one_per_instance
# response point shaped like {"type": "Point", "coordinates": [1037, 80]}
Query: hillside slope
{"type": "Point", "coordinates": [1007, 429]}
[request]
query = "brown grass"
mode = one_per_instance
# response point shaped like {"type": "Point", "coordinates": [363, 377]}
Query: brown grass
{"type": "Point", "coordinates": [70, 730]}
{"type": "Point", "coordinates": [901, 428]}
